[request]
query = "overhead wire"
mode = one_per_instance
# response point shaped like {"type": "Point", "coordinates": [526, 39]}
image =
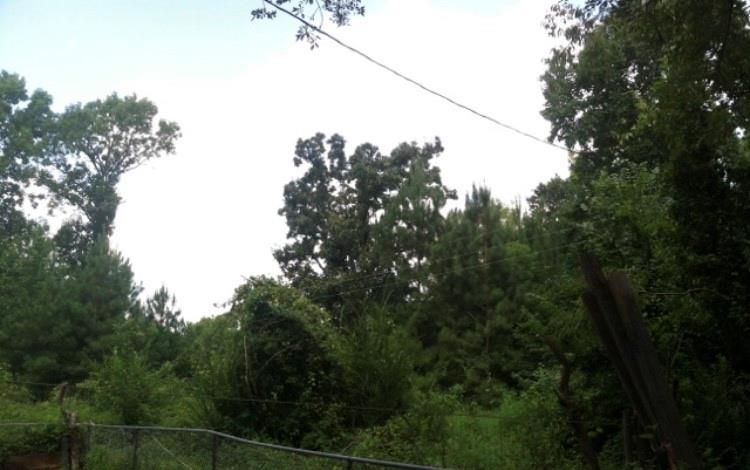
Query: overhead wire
{"type": "Point", "coordinates": [419, 84]}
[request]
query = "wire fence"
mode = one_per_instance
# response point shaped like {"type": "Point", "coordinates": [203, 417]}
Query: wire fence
{"type": "Point", "coordinates": [120, 447]}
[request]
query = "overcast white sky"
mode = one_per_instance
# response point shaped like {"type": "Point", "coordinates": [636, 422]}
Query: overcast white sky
{"type": "Point", "coordinates": [244, 92]}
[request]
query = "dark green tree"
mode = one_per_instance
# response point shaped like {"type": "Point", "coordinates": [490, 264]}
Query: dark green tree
{"type": "Point", "coordinates": [97, 143]}
{"type": "Point", "coordinates": [359, 225]}
{"type": "Point", "coordinates": [100, 293]}
{"type": "Point", "coordinates": [31, 292]}
{"type": "Point", "coordinates": [56, 320]}
{"type": "Point", "coordinates": [156, 330]}
{"type": "Point", "coordinates": [25, 124]}
{"type": "Point", "coordinates": [470, 322]}
{"type": "Point", "coordinates": [654, 96]}
{"type": "Point", "coordinates": [268, 369]}
{"type": "Point", "coordinates": [161, 308]}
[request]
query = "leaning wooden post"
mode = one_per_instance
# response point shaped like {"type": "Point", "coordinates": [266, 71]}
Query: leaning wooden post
{"type": "Point", "coordinates": [612, 306]}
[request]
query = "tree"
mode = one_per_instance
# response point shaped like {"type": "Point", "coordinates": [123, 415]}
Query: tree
{"type": "Point", "coordinates": [97, 143]}
{"type": "Point", "coordinates": [378, 357]}
{"type": "Point", "coordinates": [269, 368]}
{"type": "Point", "coordinates": [25, 122]}
{"type": "Point", "coordinates": [474, 305]}
{"type": "Point", "coordinates": [125, 386]}
{"type": "Point", "coordinates": [59, 306]}
{"type": "Point", "coordinates": [161, 308]}
{"type": "Point", "coordinates": [661, 87]}
{"type": "Point", "coordinates": [100, 293]}
{"type": "Point", "coordinates": [56, 320]}
{"type": "Point", "coordinates": [156, 330]}
{"type": "Point", "coordinates": [359, 224]}
{"type": "Point", "coordinates": [31, 292]}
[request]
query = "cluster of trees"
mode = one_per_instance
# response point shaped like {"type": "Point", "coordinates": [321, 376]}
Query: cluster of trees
{"type": "Point", "coordinates": [64, 294]}
{"type": "Point", "coordinates": [400, 329]}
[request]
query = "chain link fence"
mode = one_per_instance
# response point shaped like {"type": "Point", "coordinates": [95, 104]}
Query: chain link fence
{"type": "Point", "coordinates": [116, 447]}
{"type": "Point", "coordinates": [152, 447]}
{"type": "Point", "coordinates": [119, 447]}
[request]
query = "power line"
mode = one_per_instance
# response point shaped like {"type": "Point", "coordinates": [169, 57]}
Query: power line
{"type": "Point", "coordinates": [418, 84]}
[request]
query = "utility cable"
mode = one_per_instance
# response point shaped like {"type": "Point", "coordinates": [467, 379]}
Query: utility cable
{"type": "Point", "coordinates": [418, 84]}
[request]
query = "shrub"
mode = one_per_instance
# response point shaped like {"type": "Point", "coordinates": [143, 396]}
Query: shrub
{"type": "Point", "coordinates": [125, 386]}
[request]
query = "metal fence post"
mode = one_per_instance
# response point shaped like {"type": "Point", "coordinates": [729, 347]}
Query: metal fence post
{"type": "Point", "coordinates": [214, 452]}
{"type": "Point", "coordinates": [136, 442]}
{"type": "Point", "coordinates": [89, 438]}
{"type": "Point", "coordinates": [65, 451]}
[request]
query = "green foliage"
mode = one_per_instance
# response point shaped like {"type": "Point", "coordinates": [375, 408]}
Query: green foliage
{"type": "Point", "coordinates": [55, 318]}
{"type": "Point", "coordinates": [31, 439]}
{"type": "Point", "coordinates": [528, 430]}
{"type": "Point", "coordinates": [366, 217]}
{"type": "Point", "coordinates": [651, 93]}
{"type": "Point", "coordinates": [378, 359]}
{"type": "Point", "coordinates": [25, 122]}
{"type": "Point", "coordinates": [420, 435]}
{"type": "Point", "coordinates": [61, 298]}
{"type": "Point", "coordinates": [99, 294]}
{"type": "Point", "coordinates": [97, 143]}
{"type": "Point", "coordinates": [44, 436]}
{"type": "Point", "coordinates": [273, 348]}
{"type": "Point", "coordinates": [31, 289]}
{"type": "Point", "coordinates": [474, 303]}
{"type": "Point", "coordinates": [125, 386]}
{"type": "Point", "coordinates": [161, 308]}
{"type": "Point", "coordinates": [156, 331]}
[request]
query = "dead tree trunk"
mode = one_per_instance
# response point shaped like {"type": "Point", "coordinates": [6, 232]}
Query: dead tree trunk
{"type": "Point", "coordinates": [612, 306]}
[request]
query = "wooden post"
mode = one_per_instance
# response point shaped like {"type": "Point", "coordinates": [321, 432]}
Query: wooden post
{"type": "Point", "coordinates": [74, 442]}
{"type": "Point", "coordinates": [89, 438]}
{"type": "Point", "coordinates": [64, 451]}
{"type": "Point", "coordinates": [136, 444]}
{"type": "Point", "coordinates": [214, 452]}
{"type": "Point", "coordinates": [613, 308]}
